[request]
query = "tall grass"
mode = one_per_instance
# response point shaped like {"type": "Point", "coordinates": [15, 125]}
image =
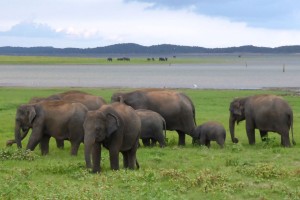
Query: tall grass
{"type": "Point", "coordinates": [239, 171]}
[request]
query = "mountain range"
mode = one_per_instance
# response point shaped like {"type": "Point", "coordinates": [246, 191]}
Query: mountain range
{"type": "Point", "coordinates": [131, 48]}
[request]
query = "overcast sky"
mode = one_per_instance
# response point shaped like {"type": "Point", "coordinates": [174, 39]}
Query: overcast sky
{"type": "Point", "coordinates": [94, 23]}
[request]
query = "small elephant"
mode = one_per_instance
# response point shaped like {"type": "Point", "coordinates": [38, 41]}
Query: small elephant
{"type": "Point", "coordinates": [59, 119]}
{"type": "Point", "coordinates": [153, 127]}
{"type": "Point", "coordinates": [209, 131]}
{"type": "Point", "coordinates": [263, 112]}
{"type": "Point", "coordinates": [117, 127]}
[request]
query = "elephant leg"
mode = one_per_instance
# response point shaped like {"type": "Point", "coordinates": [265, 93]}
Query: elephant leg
{"type": "Point", "coordinates": [250, 132]}
{"type": "Point", "coordinates": [285, 139]}
{"type": "Point", "coordinates": [181, 135]}
{"type": "Point", "coordinates": [35, 138]}
{"type": "Point", "coordinates": [207, 143]}
{"type": "Point", "coordinates": [161, 140]}
{"type": "Point", "coordinates": [44, 144]}
{"type": "Point", "coordinates": [60, 144]}
{"type": "Point", "coordinates": [263, 135]}
{"type": "Point", "coordinates": [146, 142]}
{"type": "Point", "coordinates": [74, 147]}
{"type": "Point", "coordinates": [125, 159]}
{"type": "Point", "coordinates": [114, 159]}
{"type": "Point", "coordinates": [153, 142]}
{"type": "Point", "coordinates": [132, 157]}
{"type": "Point", "coordinates": [96, 157]}
{"type": "Point", "coordinates": [220, 142]}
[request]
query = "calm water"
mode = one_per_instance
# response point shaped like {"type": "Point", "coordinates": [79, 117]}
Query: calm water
{"type": "Point", "coordinates": [250, 74]}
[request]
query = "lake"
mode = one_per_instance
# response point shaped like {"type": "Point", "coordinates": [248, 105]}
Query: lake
{"type": "Point", "coordinates": [246, 73]}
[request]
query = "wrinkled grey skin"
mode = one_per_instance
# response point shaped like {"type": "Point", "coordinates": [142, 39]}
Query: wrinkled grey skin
{"type": "Point", "coordinates": [210, 131]}
{"type": "Point", "coordinates": [176, 108]}
{"type": "Point", "coordinates": [263, 112]}
{"type": "Point", "coordinates": [153, 127]}
{"type": "Point", "coordinates": [59, 119]}
{"type": "Point", "coordinates": [92, 102]}
{"type": "Point", "coordinates": [117, 127]}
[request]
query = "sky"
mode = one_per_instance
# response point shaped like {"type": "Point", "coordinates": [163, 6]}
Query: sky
{"type": "Point", "coordinates": [97, 23]}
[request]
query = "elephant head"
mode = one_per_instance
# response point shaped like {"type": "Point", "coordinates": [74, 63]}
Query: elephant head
{"type": "Point", "coordinates": [98, 126]}
{"type": "Point", "coordinates": [237, 114]}
{"type": "Point", "coordinates": [24, 119]}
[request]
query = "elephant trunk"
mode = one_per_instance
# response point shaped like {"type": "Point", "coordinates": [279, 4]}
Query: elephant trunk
{"type": "Point", "coordinates": [88, 145]}
{"type": "Point", "coordinates": [18, 136]}
{"type": "Point", "coordinates": [232, 121]}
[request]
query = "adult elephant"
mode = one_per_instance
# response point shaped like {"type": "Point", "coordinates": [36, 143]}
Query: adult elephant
{"type": "Point", "coordinates": [62, 120]}
{"type": "Point", "coordinates": [175, 107]}
{"type": "Point", "coordinates": [92, 102]}
{"type": "Point", "coordinates": [263, 112]}
{"type": "Point", "coordinates": [153, 127]}
{"type": "Point", "coordinates": [117, 127]}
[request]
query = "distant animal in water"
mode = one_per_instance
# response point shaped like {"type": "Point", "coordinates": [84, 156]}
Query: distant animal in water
{"type": "Point", "coordinates": [163, 59]}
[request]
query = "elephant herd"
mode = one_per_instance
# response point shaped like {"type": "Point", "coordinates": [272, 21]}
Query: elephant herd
{"type": "Point", "coordinates": [141, 114]}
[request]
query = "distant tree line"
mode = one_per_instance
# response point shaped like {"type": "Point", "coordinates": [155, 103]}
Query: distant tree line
{"type": "Point", "coordinates": [131, 48]}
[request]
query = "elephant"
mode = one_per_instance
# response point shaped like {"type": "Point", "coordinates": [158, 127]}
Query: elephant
{"type": "Point", "coordinates": [92, 102]}
{"type": "Point", "coordinates": [117, 127]}
{"type": "Point", "coordinates": [175, 107]}
{"type": "Point", "coordinates": [265, 112]}
{"type": "Point", "coordinates": [59, 119]}
{"type": "Point", "coordinates": [210, 131]}
{"type": "Point", "coordinates": [153, 127]}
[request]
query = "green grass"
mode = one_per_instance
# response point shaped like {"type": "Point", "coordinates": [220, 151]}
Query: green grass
{"type": "Point", "coordinates": [240, 171]}
{"type": "Point", "coordinates": [103, 61]}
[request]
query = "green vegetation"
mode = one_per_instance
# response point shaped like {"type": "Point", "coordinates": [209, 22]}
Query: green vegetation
{"type": "Point", "coordinates": [103, 61]}
{"type": "Point", "coordinates": [240, 171]}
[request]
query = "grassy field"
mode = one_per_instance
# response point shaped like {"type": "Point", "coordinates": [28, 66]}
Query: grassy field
{"type": "Point", "coordinates": [103, 61]}
{"type": "Point", "coordinates": [239, 171]}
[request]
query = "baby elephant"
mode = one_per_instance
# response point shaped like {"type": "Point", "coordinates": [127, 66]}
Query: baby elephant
{"type": "Point", "coordinates": [209, 131]}
{"type": "Point", "coordinates": [153, 127]}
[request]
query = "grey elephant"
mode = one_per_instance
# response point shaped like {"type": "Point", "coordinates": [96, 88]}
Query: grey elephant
{"type": "Point", "coordinates": [210, 131]}
{"type": "Point", "coordinates": [92, 102]}
{"type": "Point", "coordinates": [117, 127]}
{"type": "Point", "coordinates": [153, 127]}
{"type": "Point", "coordinates": [263, 112]}
{"type": "Point", "coordinates": [175, 107]}
{"type": "Point", "coordinates": [59, 119]}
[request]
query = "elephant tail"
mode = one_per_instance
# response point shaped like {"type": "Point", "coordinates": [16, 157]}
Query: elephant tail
{"type": "Point", "coordinates": [137, 164]}
{"type": "Point", "coordinates": [165, 127]}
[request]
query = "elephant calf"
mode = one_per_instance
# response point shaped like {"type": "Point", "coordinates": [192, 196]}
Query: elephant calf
{"type": "Point", "coordinates": [153, 127]}
{"type": "Point", "coordinates": [209, 131]}
{"type": "Point", "coordinates": [117, 127]}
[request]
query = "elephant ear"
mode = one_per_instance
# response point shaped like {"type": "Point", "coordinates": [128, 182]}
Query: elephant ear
{"type": "Point", "coordinates": [31, 114]}
{"type": "Point", "coordinates": [237, 108]}
{"type": "Point", "coordinates": [112, 123]}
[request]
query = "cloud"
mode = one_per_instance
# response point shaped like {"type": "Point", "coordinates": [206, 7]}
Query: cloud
{"type": "Point", "coordinates": [92, 23]}
{"type": "Point", "coordinates": [31, 29]}
{"type": "Point", "coordinates": [274, 14]}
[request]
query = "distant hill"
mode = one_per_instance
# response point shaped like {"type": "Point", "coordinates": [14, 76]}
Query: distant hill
{"type": "Point", "coordinates": [131, 48]}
